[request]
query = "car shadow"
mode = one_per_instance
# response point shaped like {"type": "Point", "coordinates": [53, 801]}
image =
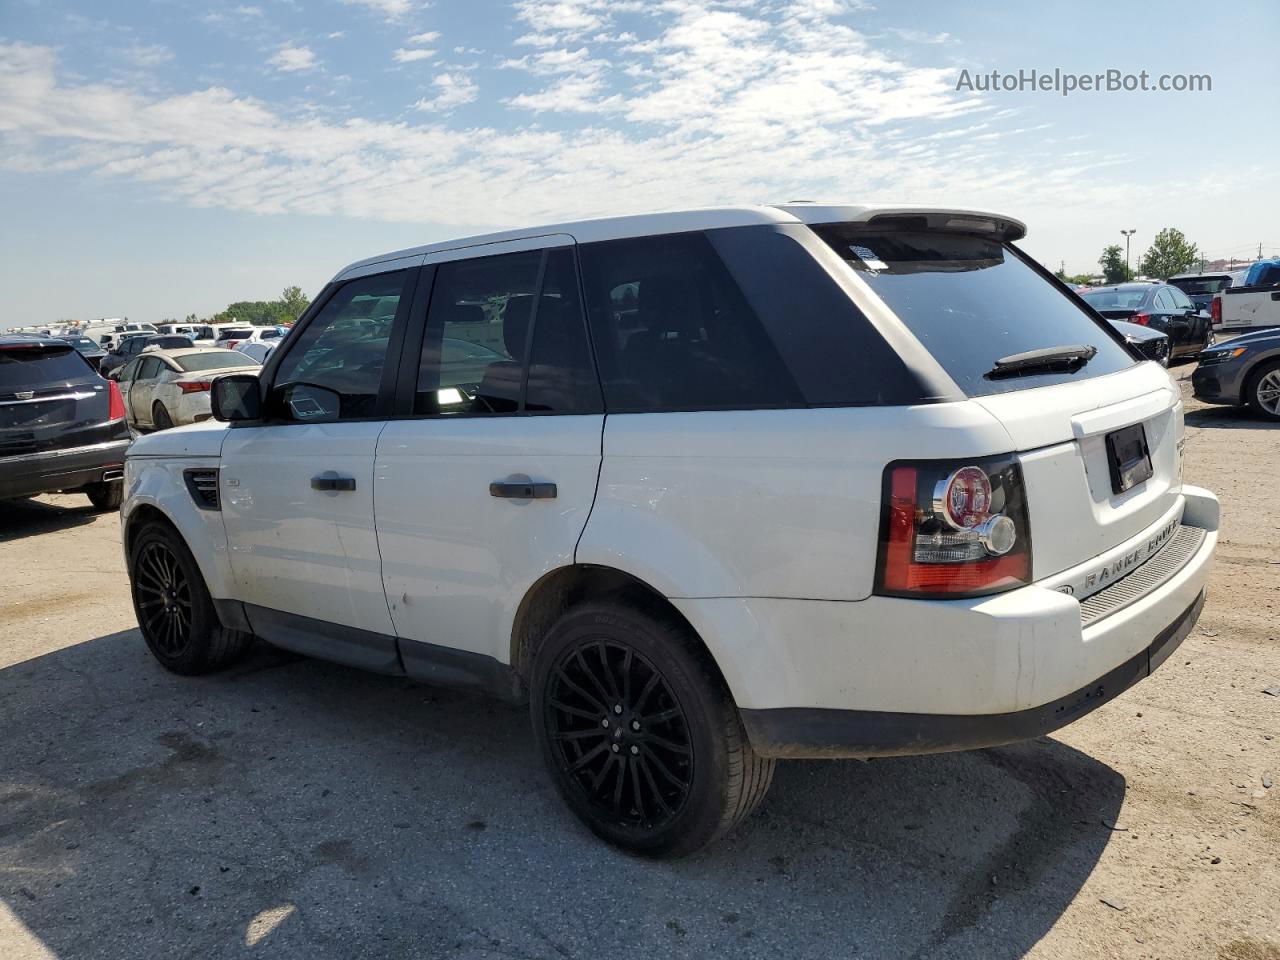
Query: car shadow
{"type": "Point", "coordinates": [1231, 418]}
{"type": "Point", "coordinates": [30, 518]}
{"type": "Point", "coordinates": [293, 808]}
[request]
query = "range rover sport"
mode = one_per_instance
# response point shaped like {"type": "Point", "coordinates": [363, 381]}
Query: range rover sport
{"type": "Point", "coordinates": [708, 489]}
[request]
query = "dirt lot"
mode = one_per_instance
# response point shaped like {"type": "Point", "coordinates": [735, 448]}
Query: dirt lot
{"type": "Point", "coordinates": [291, 808]}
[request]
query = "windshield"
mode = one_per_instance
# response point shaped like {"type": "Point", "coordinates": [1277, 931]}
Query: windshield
{"type": "Point", "coordinates": [1114, 299]}
{"type": "Point", "coordinates": [213, 361]}
{"type": "Point", "coordinates": [971, 301]}
{"type": "Point", "coordinates": [81, 343]}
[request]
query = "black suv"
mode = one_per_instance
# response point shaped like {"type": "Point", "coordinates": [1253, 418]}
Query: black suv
{"type": "Point", "coordinates": [62, 427]}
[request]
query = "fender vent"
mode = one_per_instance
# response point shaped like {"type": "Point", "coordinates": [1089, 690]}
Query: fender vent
{"type": "Point", "coordinates": [203, 485]}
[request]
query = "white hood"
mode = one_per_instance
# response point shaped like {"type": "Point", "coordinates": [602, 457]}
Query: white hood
{"type": "Point", "coordinates": [202, 439]}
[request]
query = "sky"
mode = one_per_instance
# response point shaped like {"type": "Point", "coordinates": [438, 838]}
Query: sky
{"type": "Point", "coordinates": [164, 157]}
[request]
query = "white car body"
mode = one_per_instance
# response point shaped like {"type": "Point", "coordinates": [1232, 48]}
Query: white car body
{"type": "Point", "coordinates": [255, 335]}
{"type": "Point", "coordinates": [157, 378]}
{"type": "Point", "coordinates": [763, 528]}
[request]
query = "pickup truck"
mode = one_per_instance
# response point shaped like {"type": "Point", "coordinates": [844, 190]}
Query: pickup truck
{"type": "Point", "coordinates": [1253, 304]}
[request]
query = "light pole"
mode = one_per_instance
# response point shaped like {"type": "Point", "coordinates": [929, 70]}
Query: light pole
{"type": "Point", "coordinates": [1127, 234]}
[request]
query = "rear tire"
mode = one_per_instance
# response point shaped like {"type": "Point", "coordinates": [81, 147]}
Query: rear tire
{"type": "Point", "coordinates": [160, 419]}
{"type": "Point", "coordinates": [105, 496]}
{"type": "Point", "coordinates": [174, 610]}
{"type": "Point", "coordinates": [1262, 392]}
{"type": "Point", "coordinates": [639, 733]}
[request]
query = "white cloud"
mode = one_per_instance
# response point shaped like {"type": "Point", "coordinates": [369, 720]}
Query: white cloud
{"type": "Point", "coordinates": [290, 59]}
{"type": "Point", "coordinates": [390, 9]}
{"type": "Point", "coordinates": [429, 37]}
{"type": "Point", "coordinates": [455, 89]}
{"type": "Point", "coordinates": [148, 54]}
{"type": "Point", "coordinates": [409, 56]}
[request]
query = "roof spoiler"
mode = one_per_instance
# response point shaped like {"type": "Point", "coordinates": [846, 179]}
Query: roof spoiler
{"type": "Point", "coordinates": [954, 220]}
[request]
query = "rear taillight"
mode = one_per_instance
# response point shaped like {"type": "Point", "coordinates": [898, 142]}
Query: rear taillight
{"type": "Point", "coordinates": [953, 529]}
{"type": "Point", "coordinates": [194, 386]}
{"type": "Point", "coordinates": [115, 402]}
{"type": "Point", "coordinates": [1215, 311]}
{"type": "Point", "coordinates": [1144, 319]}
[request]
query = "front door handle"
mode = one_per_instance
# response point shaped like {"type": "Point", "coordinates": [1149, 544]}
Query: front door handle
{"type": "Point", "coordinates": [520, 487]}
{"type": "Point", "coordinates": [332, 481]}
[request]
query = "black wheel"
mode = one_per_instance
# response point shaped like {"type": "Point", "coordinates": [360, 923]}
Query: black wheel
{"type": "Point", "coordinates": [641, 737]}
{"type": "Point", "coordinates": [105, 496]}
{"type": "Point", "coordinates": [160, 418]}
{"type": "Point", "coordinates": [174, 610]}
{"type": "Point", "coordinates": [1262, 392]}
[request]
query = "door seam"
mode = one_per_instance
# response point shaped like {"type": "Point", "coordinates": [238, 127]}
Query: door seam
{"type": "Point", "coordinates": [595, 493]}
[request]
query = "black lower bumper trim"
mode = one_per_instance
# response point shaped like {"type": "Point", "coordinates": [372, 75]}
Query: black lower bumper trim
{"type": "Point", "coordinates": [814, 733]}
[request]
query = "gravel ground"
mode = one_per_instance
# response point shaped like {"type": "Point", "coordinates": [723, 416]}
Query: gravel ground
{"type": "Point", "coordinates": [292, 808]}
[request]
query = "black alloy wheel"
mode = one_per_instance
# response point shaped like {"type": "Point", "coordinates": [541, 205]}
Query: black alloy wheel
{"type": "Point", "coordinates": [162, 597]}
{"type": "Point", "coordinates": [618, 733]}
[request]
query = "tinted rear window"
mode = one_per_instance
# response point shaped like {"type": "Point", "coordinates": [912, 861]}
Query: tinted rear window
{"type": "Point", "coordinates": [1115, 299]}
{"type": "Point", "coordinates": [235, 334]}
{"type": "Point", "coordinates": [25, 367]}
{"type": "Point", "coordinates": [169, 343]}
{"type": "Point", "coordinates": [1200, 285]}
{"type": "Point", "coordinates": [971, 301]}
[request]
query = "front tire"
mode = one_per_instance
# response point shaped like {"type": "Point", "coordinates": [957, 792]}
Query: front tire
{"type": "Point", "coordinates": [1263, 390]}
{"type": "Point", "coordinates": [174, 610]}
{"type": "Point", "coordinates": [639, 733]}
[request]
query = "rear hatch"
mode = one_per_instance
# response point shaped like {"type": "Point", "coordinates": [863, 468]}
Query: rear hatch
{"type": "Point", "coordinates": [1082, 411]}
{"type": "Point", "coordinates": [50, 399]}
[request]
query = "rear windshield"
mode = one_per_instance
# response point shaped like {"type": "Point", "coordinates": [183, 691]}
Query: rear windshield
{"type": "Point", "coordinates": [1194, 285]}
{"type": "Point", "coordinates": [235, 334]}
{"type": "Point", "coordinates": [1114, 299]}
{"type": "Point", "coordinates": [213, 361]}
{"type": "Point", "coordinates": [28, 366]}
{"type": "Point", "coordinates": [169, 343]}
{"type": "Point", "coordinates": [972, 301]}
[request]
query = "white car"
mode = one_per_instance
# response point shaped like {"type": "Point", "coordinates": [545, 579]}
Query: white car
{"type": "Point", "coordinates": [167, 388]}
{"type": "Point", "coordinates": [257, 350]}
{"type": "Point", "coordinates": [708, 488]}
{"type": "Point", "coordinates": [233, 337]}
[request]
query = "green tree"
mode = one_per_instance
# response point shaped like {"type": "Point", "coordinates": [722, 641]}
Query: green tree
{"type": "Point", "coordinates": [1168, 254]}
{"type": "Point", "coordinates": [294, 303]}
{"type": "Point", "coordinates": [260, 313]}
{"type": "Point", "coordinates": [1112, 264]}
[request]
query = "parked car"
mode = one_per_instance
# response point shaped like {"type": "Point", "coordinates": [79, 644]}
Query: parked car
{"type": "Point", "coordinates": [257, 350]}
{"type": "Point", "coordinates": [1152, 344]}
{"type": "Point", "coordinates": [1242, 370]}
{"type": "Point", "coordinates": [1254, 302]}
{"type": "Point", "coordinates": [167, 388]}
{"type": "Point", "coordinates": [62, 427]}
{"type": "Point", "coordinates": [232, 337]}
{"type": "Point", "coordinates": [1201, 288]}
{"type": "Point", "coordinates": [206, 334]}
{"type": "Point", "coordinates": [181, 329]}
{"type": "Point", "coordinates": [138, 344]}
{"type": "Point", "coordinates": [1159, 306]}
{"type": "Point", "coordinates": [86, 348]}
{"type": "Point", "coordinates": [871, 483]}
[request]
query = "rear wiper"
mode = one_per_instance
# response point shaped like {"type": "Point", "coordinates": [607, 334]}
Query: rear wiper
{"type": "Point", "coordinates": [1068, 357]}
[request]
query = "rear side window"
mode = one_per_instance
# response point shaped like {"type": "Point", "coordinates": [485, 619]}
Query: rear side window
{"type": "Point", "coordinates": [972, 301]}
{"type": "Point", "coordinates": [673, 331]}
{"type": "Point", "coordinates": [24, 366]}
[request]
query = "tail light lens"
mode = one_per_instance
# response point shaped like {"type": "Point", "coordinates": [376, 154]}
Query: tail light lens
{"type": "Point", "coordinates": [1215, 311]}
{"type": "Point", "coordinates": [1143, 319]}
{"type": "Point", "coordinates": [953, 529]}
{"type": "Point", "coordinates": [194, 386]}
{"type": "Point", "coordinates": [115, 401]}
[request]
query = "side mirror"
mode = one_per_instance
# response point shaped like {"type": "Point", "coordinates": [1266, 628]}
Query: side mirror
{"type": "Point", "coordinates": [236, 397]}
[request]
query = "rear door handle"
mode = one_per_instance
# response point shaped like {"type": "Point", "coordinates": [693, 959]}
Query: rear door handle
{"type": "Point", "coordinates": [520, 487]}
{"type": "Point", "coordinates": [332, 481]}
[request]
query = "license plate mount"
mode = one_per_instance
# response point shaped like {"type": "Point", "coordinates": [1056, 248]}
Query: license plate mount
{"type": "Point", "coordinates": [1129, 457]}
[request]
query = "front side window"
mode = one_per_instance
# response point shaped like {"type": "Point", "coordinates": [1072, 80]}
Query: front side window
{"type": "Point", "coordinates": [504, 336]}
{"type": "Point", "coordinates": [334, 370]}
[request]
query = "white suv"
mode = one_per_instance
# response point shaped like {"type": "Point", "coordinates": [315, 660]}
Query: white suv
{"type": "Point", "coordinates": [708, 488]}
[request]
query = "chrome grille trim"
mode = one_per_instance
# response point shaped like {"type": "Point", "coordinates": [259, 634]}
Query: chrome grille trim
{"type": "Point", "coordinates": [1181, 547]}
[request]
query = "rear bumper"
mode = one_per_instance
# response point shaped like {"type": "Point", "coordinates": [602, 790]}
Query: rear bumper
{"type": "Point", "coordinates": [885, 676]}
{"type": "Point", "coordinates": [811, 733]}
{"type": "Point", "coordinates": [70, 469]}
